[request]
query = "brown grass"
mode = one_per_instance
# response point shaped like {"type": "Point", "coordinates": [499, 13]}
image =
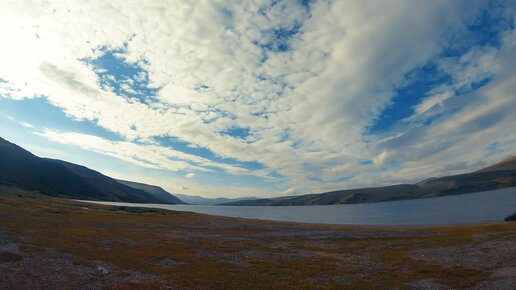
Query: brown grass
{"type": "Point", "coordinates": [6, 257]}
{"type": "Point", "coordinates": [210, 252]}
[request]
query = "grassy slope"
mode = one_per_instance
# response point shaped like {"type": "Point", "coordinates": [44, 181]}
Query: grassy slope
{"type": "Point", "coordinates": [442, 186]}
{"type": "Point", "coordinates": [507, 164]}
{"type": "Point", "coordinates": [224, 253]}
{"type": "Point", "coordinates": [155, 191]}
{"type": "Point", "coordinates": [362, 195]}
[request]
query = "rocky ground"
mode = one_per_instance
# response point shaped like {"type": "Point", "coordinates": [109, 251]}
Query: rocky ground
{"type": "Point", "coordinates": [57, 244]}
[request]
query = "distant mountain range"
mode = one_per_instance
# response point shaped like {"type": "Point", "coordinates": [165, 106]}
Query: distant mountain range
{"type": "Point", "coordinates": [500, 175]}
{"type": "Point", "coordinates": [190, 199]}
{"type": "Point", "coordinates": [20, 168]}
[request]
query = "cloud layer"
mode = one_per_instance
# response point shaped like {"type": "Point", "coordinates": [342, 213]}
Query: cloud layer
{"type": "Point", "coordinates": [294, 87]}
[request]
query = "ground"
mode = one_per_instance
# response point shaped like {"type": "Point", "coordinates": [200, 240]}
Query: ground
{"type": "Point", "coordinates": [48, 243]}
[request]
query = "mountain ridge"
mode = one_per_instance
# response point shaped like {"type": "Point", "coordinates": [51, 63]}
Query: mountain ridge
{"type": "Point", "coordinates": [199, 200]}
{"type": "Point", "coordinates": [497, 176]}
{"type": "Point", "coordinates": [154, 190]}
{"type": "Point", "coordinates": [21, 168]}
{"type": "Point", "coordinates": [506, 164]}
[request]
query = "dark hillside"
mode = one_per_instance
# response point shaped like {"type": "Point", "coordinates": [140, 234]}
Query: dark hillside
{"type": "Point", "coordinates": [20, 168]}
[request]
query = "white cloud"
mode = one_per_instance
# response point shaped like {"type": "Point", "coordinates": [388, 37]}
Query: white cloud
{"type": "Point", "coordinates": [307, 108]}
{"type": "Point", "coordinates": [27, 125]}
{"type": "Point", "coordinates": [148, 156]}
{"type": "Point", "coordinates": [381, 158]}
{"type": "Point", "coordinates": [190, 175]}
{"type": "Point", "coordinates": [290, 191]}
{"type": "Point", "coordinates": [431, 102]}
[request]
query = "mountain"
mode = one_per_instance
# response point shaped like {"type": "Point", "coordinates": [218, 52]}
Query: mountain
{"type": "Point", "coordinates": [507, 164]}
{"type": "Point", "coordinates": [190, 199]}
{"type": "Point", "coordinates": [20, 168]}
{"type": "Point", "coordinates": [468, 183]}
{"type": "Point", "coordinates": [500, 175]}
{"type": "Point", "coordinates": [361, 195]}
{"type": "Point", "coordinates": [153, 190]}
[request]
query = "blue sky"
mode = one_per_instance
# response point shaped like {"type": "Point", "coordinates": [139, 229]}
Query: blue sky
{"type": "Point", "coordinates": [263, 98]}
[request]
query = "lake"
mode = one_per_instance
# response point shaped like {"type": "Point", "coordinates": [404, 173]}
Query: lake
{"type": "Point", "coordinates": [487, 206]}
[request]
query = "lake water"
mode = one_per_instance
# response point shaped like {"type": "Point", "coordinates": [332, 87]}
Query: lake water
{"type": "Point", "coordinates": [477, 207]}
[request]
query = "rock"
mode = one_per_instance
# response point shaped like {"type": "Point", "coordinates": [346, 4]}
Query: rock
{"type": "Point", "coordinates": [102, 270]}
{"type": "Point", "coordinates": [511, 218]}
{"type": "Point", "coordinates": [167, 262]}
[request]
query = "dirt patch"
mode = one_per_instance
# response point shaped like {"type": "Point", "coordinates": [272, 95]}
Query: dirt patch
{"type": "Point", "coordinates": [505, 284]}
{"type": "Point", "coordinates": [490, 254]}
{"type": "Point", "coordinates": [51, 269]}
{"type": "Point", "coordinates": [428, 284]}
{"type": "Point", "coordinates": [505, 272]}
{"type": "Point", "coordinates": [167, 262]}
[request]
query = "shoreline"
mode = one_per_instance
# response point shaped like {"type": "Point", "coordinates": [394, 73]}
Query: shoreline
{"type": "Point", "coordinates": [474, 208]}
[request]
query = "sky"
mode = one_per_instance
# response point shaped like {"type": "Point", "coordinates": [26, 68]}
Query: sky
{"type": "Point", "coordinates": [261, 98]}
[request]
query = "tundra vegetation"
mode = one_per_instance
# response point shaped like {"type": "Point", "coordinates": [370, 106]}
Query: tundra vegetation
{"type": "Point", "coordinates": [52, 243]}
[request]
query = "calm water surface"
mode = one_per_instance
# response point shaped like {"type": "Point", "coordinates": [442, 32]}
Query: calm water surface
{"type": "Point", "coordinates": [477, 207]}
